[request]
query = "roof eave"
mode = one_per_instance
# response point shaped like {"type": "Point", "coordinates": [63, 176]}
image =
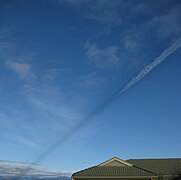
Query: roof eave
{"type": "Point", "coordinates": [114, 177]}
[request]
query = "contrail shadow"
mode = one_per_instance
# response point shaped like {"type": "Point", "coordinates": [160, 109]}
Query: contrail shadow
{"type": "Point", "coordinates": [147, 69]}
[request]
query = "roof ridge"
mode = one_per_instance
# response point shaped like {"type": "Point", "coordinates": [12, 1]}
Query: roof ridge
{"type": "Point", "coordinates": [115, 159]}
{"type": "Point", "coordinates": [153, 159]}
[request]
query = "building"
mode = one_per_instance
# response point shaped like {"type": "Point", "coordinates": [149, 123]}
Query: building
{"type": "Point", "coordinates": [143, 169]}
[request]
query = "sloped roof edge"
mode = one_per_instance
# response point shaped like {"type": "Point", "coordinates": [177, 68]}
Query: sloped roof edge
{"type": "Point", "coordinates": [115, 159]}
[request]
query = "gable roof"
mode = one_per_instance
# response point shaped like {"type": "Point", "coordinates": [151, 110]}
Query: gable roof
{"type": "Point", "coordinates": [114, 167]}
{"type": "Point", "coordinates": [110, 171]}
{"type": "Point", "coordinates": [160, 166]}
{"type": "Point", "coordinates": [132, 168]}
{"type": "Point", "coordinates": [115, 160]}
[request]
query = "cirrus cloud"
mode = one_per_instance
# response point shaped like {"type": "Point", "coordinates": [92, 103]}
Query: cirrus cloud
{"type": "Point", "coordinates": [91, 80]}
{"type": "Point", "coordinates": [23, 70]}
{"type": "Point", "coordinates": [103, 58]}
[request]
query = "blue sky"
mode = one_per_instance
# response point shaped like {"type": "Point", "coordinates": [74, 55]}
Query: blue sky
{"type": "Point", "coordinates": [61, 59]}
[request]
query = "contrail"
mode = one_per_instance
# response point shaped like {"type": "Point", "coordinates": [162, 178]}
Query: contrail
{"type": "Point", "coordinates": [147, 69]}
{"type": "Point", "coordinates": [162, 57]}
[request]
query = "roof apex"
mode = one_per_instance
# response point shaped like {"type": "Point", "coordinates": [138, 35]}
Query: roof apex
{"type": "Point", "coordinates": [117, 160]}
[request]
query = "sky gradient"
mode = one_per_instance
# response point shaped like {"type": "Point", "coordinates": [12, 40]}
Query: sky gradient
{"type": "Point", "coordinates": [102, 78]}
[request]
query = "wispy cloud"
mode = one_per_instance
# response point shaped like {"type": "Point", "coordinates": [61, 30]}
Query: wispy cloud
{"type": "Point", "coordinates": [54, 73]}
{"type": "Point", "coordinates": [50, 100]}
{"type": "Point", "coordinates": [167, 24]}
{"type": "Point", "coordinates": [56, 110]}
{"type": "Point", "coordinates": [12, 51]}
{"type": "Point", "coordinates": [25, 141]}
{"type": "Point", "coordinates": [102, 11]}
{"type": "Point", "coordinates": [51, 74]}
{"type": "Point", "coordinates": [16, 57]}
{"type": "Point", "coordinates": [115, 14]}
{"type": "Point", "coordinates": [131, 44]}
{"type": "Point", "coordinates": [17, 162]}
{"type": "Point", "coordinates": [91, 80]}
{"type": "Point", "coordinates": [23, 70]}
{"type": "Point", "coordinates": [154, 64]}
{"type": "Point", "coordinates": [19, 138]}
{"type": "Point", "coordinates": [6, 49]}
{"type": "Point", "coordinates": [12, 126]}
{"type": "Point", "coordinates": [20, 171]}
{"type": "Point", "coordinates": [44, 105]}
{"type": "Point", "coordinates": [103, 58]}
{"type": "Point", "coordinates": [106, 12]}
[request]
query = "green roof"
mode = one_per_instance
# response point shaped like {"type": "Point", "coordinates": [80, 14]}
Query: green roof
{"type": "Point", "coordinates": [159, 166]}
{"type": "Point", "coordinates": [132, 168]}
{"type": "Point", "coordinates": [111, 171]}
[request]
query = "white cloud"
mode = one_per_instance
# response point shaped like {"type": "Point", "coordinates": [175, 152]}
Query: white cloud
{"type": "Point", "coordinates": [58, 111]}
{"type": "Point", "coordinates": [106, 12]}
{"type": "Point", "coordinates": [6, 49]}
{"type": "Point", "coordinates": [166, 25]}
{"type": "Point", "coordinates": [103, 58]}
{"type": "Point", "coordinates": [25, 141]}
{"type": "Point", "coordinates": [23, 70]}
{"type": "Point", "coordinates": [51, 74]}
{"type": "Point", "coordinates": [11, 51]}
{"type": "Point", "coordinates": [51, 103]}
{"type": "Point", "coordinates": [131, 44]}
{"type": "Point", "coordinates": [102, 11]}
{"type": "Point", "coordinates": [54, 73]}
{"type": "Point", "coordinates": [91, 80]}
{"type": "Point", "coordinates": [162, 17]}
{"type": "Point", "coordinates": [17, 59]}
{"type": "Point", "coordinates": [18, 138]}
{"type": "Point", "coordinates": [12, 126]}
{"type": "Point", "coordinates": [43, 106]}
